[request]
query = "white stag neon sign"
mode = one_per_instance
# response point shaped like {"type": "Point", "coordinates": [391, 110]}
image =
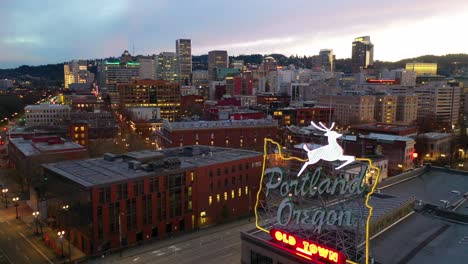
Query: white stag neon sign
{"type": "Point", "coordinates": [330, 152]}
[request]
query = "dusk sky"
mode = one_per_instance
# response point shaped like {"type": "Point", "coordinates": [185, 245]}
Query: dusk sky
{"type": "Point", "coordinates": [51, 31]}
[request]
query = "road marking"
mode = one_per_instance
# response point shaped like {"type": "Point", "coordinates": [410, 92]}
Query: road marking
{"type": "Point", "coordinates": [160, 254]}
{"type": "Point", "coordinates": [40, 252]}
{"type": "Point", "coordinates": [136, 259]}
{"type": "Point", "coordinates": [26, 257]}
{"type": "Point", "coordinates": [5, 255]}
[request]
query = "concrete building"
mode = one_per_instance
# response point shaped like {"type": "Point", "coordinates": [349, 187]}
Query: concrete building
{"type": "Point", "coordinates": [114, 73]}
{"type": "Point", "coordinates": [216, 59]}
{"type": "Point", "coordinates": [439, 100]}
{"type": "Point", "coordinates": [406, 109]}
{"type": "Point", "coordinates": [184, 58]}
{"type": "Point", "coordinates": [44, 115]}
{"type": "Point", "coordinates": [122, 200]}
{"type": "Point", "coordinates": [152, 93]}
{"type": "Point", "coordinates": [433, 146]}
{"type": "Point", "coordinates": [385, 109]}
{"type": "Point", "coordinates": [168, 67]}
{"type": "Point", "coordinates": [76, 71]}
{"type": "Point", "coordinates": [5, 84]}
{"type": "Point", "coordinates": [97, 125]}
{"type": "Point", "coordinates": [349, 109]}
{"type": "Point", "coordinates": [422, 68]}
{"type": "Point", "coordinates": [144, 113]}
{"type": "Point", "coordinates": [147, 67]}
{"type": "Point", "coordinates": [362, 53]}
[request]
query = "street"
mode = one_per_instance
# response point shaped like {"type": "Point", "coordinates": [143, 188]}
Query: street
{"type": "Point", "coordinates": [220, 244]}
{"type": "Point", "coordinates": [16, 245]}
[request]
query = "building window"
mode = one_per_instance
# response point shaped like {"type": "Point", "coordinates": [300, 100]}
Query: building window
{"type": "Point", "coordinates": [239, 194]}
{"type": "Point", "coordinates": [257, 258]}
{"type": "Point", "coordinates": [233, 181]}
{"type": "Point", "coordinates": [218, 198]}
{"type": "Point", "coordinates": [233, 194]}
{"type": "Point", "coordinates": [211, 174]}
{"type": "Point", "coordinates": [233, 168]}
{"type": "Point", "coordinates": [210, 200]}
{"type": "Point", "coordinates": [211, 187]}
{"type": "Point", "coordinates": [192, 176]}
{"type": "Point", "coordinates": [246, 190]}
{"type": "Point", "coordinates": [225, 196]}
{"type": "Point", "coordinates": [219, 172]}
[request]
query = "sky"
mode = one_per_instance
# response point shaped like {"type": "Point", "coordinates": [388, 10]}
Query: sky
{"type": "Point", "coordinates": [52, 31]}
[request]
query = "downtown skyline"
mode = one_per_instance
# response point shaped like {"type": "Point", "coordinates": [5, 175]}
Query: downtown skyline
{"type": "Point", "coordinates": [62, 31]}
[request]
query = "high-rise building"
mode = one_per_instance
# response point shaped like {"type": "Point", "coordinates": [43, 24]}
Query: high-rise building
{"type": "Point", "coordinates": [152, 93]}
{"type": "Point", "coordinates": [113, 73]}
{"type": "Point", "coordinates": [216, 59]}
{"type": "Point", "coordinates": [327, 59]}
{"type": "Point", "coordinates": [184, 58]}
{"type": "Point", "coordinates": [167, 67]}
{"type": "Point", "coordinates": [147, 67]}
{"type": "Point", "coordinates": [76, 71]}
{"type": "Point", "coordinates": [362, 53]}
{"type": "Point", "coordinates": [385, 108]}
{"type": "Point", "coordinates": [407, 109]}
{"type": "Point", "coordinates": [350, 109]}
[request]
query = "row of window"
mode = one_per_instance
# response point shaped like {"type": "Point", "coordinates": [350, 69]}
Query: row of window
{"type": "Point", "coordinates": [226, 195]}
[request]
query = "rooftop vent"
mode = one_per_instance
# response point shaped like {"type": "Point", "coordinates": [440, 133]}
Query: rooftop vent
{"type": "Point", "coordinates": [134, 165]}
{"type": "Point", "coordinates": [110, 156]}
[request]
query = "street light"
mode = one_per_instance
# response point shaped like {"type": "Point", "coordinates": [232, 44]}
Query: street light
{"type": "Point", "coordinates": [4, 191]}
{"type": "Point", "coordinates": [36, 215]}
{"type": "Point", "coordinates": [68, 225]}
{"type": "Point", "coordinates": [15, 200]}
{"type": "Point", "coordinates": [60, 234]}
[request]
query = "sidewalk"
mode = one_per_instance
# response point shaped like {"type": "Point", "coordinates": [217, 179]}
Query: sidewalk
{"type": "Point", "coordinates": [50, 240]}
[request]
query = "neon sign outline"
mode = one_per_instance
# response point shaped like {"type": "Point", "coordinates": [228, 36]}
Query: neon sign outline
{"type": "Point", "coordinates": [368, 206]}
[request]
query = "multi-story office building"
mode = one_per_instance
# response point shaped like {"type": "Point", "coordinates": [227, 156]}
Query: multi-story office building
{"type": "Point", "coordinates": [167, 67]}
{"type": "Point", "coordinates": [362, 53]}
{"type": "Point", "coordinates": [327, 60]}
{"type": "Point", "coordinates": [439, 100]}
{"type": "Point", "coordinates": [385, 109]}
{"type": "Point", "coordinates": [216, 59]}
{"type": "Point", "coordinates": [147, 67]}
{"type": "Point", "coordinates": [113, 73]}
{"type": "Point", "coordinates": [152, 93]}
{"type": "Point", "coordinates": [406, 109]}
{"type": "Point", "coordinates": [350, 109]}
{"type": "Point", "coordinates": [44, 115]}
{"type": "Point", "coordinates": [126, 199]}
{"type": "Point", "coordinates": [422, 68]}
{"type": "Point", "coordinates": [184, 58]}
{"type": "Point", "coordinates": [76, 71]}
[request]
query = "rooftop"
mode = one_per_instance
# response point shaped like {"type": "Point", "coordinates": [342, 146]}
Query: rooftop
{"type": "Point", "coordinates": [33, 147]}
{"type": "Point", "coordinates": [387, 137]}
{"type": "Point", "coordinates": [434, 135]}
{"type": "Point", "coordinates": [115, 168]}
{"type": "Point", "coordinates": [220, 124]}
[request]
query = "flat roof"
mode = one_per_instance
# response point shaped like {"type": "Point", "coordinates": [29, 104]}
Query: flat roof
{"type": "Point", "coordinates": [99, 171]}
{"type": "Point", "coordinates": [434, 135]}
{"type": "Point", "coordinates": [220, 124]}
{"type": "Point", "coordinates": [30, 148]}
{"type": "Point", "coordinates": [387, 137]}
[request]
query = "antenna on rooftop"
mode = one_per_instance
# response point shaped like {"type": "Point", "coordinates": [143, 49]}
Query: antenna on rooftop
{"type": "Point", "coordinates": [133, 49]}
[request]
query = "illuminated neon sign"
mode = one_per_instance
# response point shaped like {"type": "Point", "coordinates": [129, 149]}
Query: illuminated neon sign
{"type": "Point", "coordinates": [307, 249]}
{"type": "Point", "coordinates": [290, 196]}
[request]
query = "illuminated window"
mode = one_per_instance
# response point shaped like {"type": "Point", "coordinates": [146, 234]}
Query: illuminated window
{"type": "Point", "coordinates": [212, 142]}
{"type": "Point", "coordinates": [239, 194]}
{"type": "Point", "coordinates": [82, 128]}
{"type": "Point", "coordinates": [218, 198]}
{"type": "Point", "coordinates": [76, 129]}
{"type": "Point", "coordinates": [246, 190]}
{"type": "Point", "coordinates": [189, 191]}
{"type": "Point", "coordinates": [192, 176]}
{"type": "Point", "coordinates": [233, 194]}
{"type": "Point", "coordinates": [76, 135]}
{"type": "Point", "coordinates": [82, 142]}
{"type": "Point", "coordinates": [189, 205]}
{"type": "Point", "coordinates": [203, 214]}
{"type": "Point", "coordinates": [210, 200]}
{"type": "Point", "coordinates": [82, 135]}
{"type": "Point", "coordinates": [225, 196]}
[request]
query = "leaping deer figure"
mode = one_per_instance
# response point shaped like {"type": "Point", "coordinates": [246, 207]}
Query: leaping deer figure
{"type": "Point", "coordinates": [330, 152]}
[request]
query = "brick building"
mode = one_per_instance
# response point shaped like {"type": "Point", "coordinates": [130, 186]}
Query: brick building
{"type": "Point", "coordinates": [245, 134]}
{"type": "Point", "coordinates": [302, 116]}
{"type": "Point", "coordinates": [121, 200]}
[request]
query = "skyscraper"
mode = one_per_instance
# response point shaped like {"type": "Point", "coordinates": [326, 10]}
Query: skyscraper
{"type": "Point", "coordinates": [327, 60]}
{"type": "Point", "coordinates": [184, 58]}
{"type": "Point", "coordinates": [147, 67]}
{"type": "Point", "coordinates": [362, 54]}
{"type": "Point", "coordinates": [216, 59]}
{"type": "Point", "coordinates": [167, 67]}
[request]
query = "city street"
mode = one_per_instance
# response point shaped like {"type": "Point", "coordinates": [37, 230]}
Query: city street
{"type": "Point", "coordinates": [214, 245]}
{"type": "Point", "coordinates": [17, 244]}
